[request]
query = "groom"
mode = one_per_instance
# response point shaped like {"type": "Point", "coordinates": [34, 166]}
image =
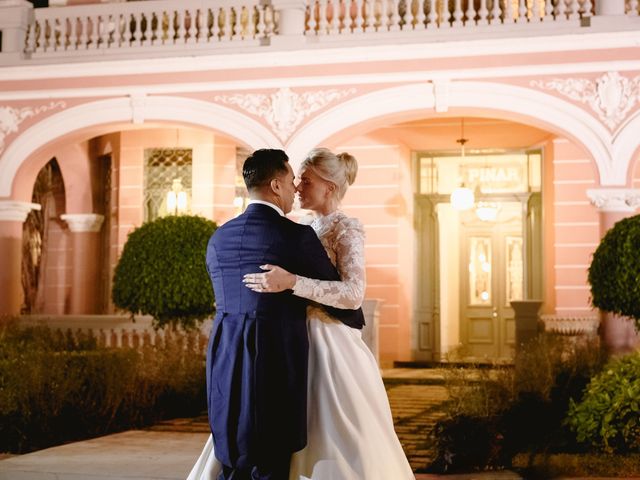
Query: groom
{"type": "Point", "coordinates": [257, 354]}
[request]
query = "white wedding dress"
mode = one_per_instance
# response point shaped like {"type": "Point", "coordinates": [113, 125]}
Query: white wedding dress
{"type": "Point", "coordinates": [349, 426]}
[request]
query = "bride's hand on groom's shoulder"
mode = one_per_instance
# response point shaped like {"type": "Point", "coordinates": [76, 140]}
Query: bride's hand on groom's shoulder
{"type": "Point", "coordinates": [273, 279]}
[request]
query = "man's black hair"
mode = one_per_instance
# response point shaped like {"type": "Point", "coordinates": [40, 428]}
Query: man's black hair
{"type": "Point", "coordinates": [262, 166]}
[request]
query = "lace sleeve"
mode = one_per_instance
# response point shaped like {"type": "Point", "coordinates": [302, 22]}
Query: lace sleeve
{"type": "Point", "coordinates": [348, 293]}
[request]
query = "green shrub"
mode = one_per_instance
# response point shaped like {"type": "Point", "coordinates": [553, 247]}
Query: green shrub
{"type": "Point", "coordinates": [162, 271]}
{"type": "Point", "coordinates": [608, 417]}
{"type": "Point", "coordinates": [56, 388]}
{"type": "Point", "coordinates": [614, 274]}
{"type": "Point", "coordinates": [516, 409]}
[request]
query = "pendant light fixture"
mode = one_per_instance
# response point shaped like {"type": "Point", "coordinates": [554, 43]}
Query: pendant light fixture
{"type": "Point", "coordinates": [462, 197]}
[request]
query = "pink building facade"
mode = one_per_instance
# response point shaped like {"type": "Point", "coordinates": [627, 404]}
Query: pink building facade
{"type": "Point", "coordinates": [103, 106]}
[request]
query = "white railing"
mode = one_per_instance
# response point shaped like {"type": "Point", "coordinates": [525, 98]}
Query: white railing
{"type": "Point", "coordinates": [172, 27]}
{"type": "Point", "coordinates": [113, 331]}
{"type": "Point", "coordinates": [149, 24]}
{"type": "Point", "coordinates": [340, 17]}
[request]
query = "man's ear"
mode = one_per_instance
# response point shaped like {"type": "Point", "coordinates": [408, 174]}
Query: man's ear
{"type": "Point", "coordinates": [274, 184]}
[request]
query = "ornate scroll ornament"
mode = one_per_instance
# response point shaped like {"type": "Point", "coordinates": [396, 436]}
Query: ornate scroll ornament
{"type": "Point", "coordinates": [610, 96]}
{"type": "Point", "coordinates": [284, 110]}
{"type": "Point", "coordinates": [11, 118]}
{"type": "Point", "coordinates": [615, 199]}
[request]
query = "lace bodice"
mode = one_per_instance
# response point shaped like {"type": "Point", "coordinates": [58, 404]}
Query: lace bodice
{"type": "Point", "coordinates": [343, 239]}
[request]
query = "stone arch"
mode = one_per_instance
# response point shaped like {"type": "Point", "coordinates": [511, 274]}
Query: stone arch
{"type": "Point", "coordinates": [123, 110]}
{"type": "Point", "coordinates": [626, 146]}
{"type": "Point", "coordinates": [481, 98]}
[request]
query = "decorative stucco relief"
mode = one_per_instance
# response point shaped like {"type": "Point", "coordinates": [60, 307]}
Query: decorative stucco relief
{"type": "Point", "coordinates": [615, 199]}
{"type": "Point", "coordinates": [611, 96]}
{"type": "Point", "coordinates": [11, 118]}
{"type": "Point", "coordinates": [284, 110]}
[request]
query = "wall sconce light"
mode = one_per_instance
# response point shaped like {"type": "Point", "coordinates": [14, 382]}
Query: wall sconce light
{"type": "Point", "coordinates": [176, 198]}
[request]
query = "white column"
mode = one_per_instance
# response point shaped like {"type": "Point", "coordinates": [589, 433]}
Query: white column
{"type": "Point", "coordinates": [12, 217]}
{"type": "Point", "coordinates": [85, 261]}
{"type": "Point", "coordinates": [617, 333]}
{"type": "Point", "coordinates": [15, 18]}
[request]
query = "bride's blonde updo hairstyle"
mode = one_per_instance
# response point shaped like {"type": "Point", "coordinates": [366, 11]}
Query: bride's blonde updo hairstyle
{"type": "Point", "coordinates": [341, 169]}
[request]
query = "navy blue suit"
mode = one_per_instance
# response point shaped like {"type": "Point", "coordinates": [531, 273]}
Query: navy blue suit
{"type": "Point", "coordinates": [258, 348]}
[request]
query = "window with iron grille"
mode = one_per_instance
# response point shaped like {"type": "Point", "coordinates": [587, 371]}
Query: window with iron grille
{"type": "Point", "coordinates": [164, 168]}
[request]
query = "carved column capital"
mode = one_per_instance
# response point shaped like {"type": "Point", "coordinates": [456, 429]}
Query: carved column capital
{"type": "Point", "coordinates": [14, 211]}
{"type": "Point", "coordinates": [83, 222]}
{"type": "Point", "coordinates": [615, 199]}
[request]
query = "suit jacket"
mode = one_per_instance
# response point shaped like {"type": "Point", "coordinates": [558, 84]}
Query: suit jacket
{"type": "Point", "coordinates": [258, 348]}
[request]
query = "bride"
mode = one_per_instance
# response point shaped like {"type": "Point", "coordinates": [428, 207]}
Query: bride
{"type": "Point", "coordinates": [350, 433]}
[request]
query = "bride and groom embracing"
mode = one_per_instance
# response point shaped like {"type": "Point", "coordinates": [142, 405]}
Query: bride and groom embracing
{"type": "Point", "coordinates": [293, 392]}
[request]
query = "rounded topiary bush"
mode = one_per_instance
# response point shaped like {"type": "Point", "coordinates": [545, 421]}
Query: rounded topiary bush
{"type": "Point", "coordinates": [162, 271]}
{"type": "Point", "coordinates": [608, 417]}
{"type": "Point", "coordinates": [614, 274]}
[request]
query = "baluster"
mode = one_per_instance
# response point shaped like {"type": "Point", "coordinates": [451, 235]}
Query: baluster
{"type": "Point", "coordinates": [323, 6]}
{"type": "Point", "coordinates": [94, 37]}
{"type": "Point", "coordinates": [236, 25]}
{"type": "Point", "coordinates": [432, 18]}
{"type": "Point", "coordinates": [124, 336]}
{"type": "Point", "coordinates": [261, 27]}
{"type": "Point", "coordinates": [215, 23]}
{"type": "Point", "coordinates": [136, 34]}
{"type": "Point", "coordinates": [125, 28]}
{"type": "Point", "coordinates": [146, 28]}
{"type": "Point", "coordinates": [587, 5]}
{"type": "Point", "coordinates": [226, 25]}
{"type": "Point", "coordinates": [421, 17]}
{"type": "Point", "coordinates": [508, 12]}
{"type": "Point", "coordinates": [192, 31]}
{"type": "Point", "coordinates": [395, 16]}
{"type": "Point", "coordinates": [548, 11]}
{"type": "Point", "coordinates": [537, 8]}
{"type": "Point", "coordinates": [154, 29]}
{"type": "Point", "coordinates": [312, 24]}
{"type": "Point", "coordinates": [331, 19]}
{"type": "Point", "coordinates": [103, 31]}
{"type": "Point", "coordinates": [470, 14]}
{"type": "Point", "coordinates": [30, 46]}
{"type": "Point", "coordinates": [483, 13]}
{"type": "Point", "coordinates": [359, 20]}
{"type": "Point", "coordinates": [561, 9]}
{"type": "Point", "coordinates": [457, 14]}
{"type": "Point", "coordinates": [182, 31]}
{"type": "Point", "coordinates": [522, 12]}
{"type": "Point", "coordinates": [575, 10]}
{"type": "Point", "coordinates": [49, 35]}
{"type": "Point", "coordinates": [39, 36]}
{"type": "Point", "coordinates": [84, 33]}
{"type": "Point", "coordinates": [201, 36]}
{"type": "Point", "coordinates": [113, 339]}
{"type": "Point", "coordinates": [384, 16]}
{"type": "Point", "coordinates": [171, 27]}
{"type": "Point", "coordinates": [495, 12]}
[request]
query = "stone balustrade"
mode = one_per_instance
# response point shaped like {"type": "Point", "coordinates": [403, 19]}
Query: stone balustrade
{"type": "Point", "coordinates": [171, 27]}
{"type": "Point", "coordinates": [571, 325]}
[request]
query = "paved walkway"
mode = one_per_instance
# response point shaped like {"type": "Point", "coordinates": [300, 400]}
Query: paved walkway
{"type": "Point", "coordinates": [169, 449]}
